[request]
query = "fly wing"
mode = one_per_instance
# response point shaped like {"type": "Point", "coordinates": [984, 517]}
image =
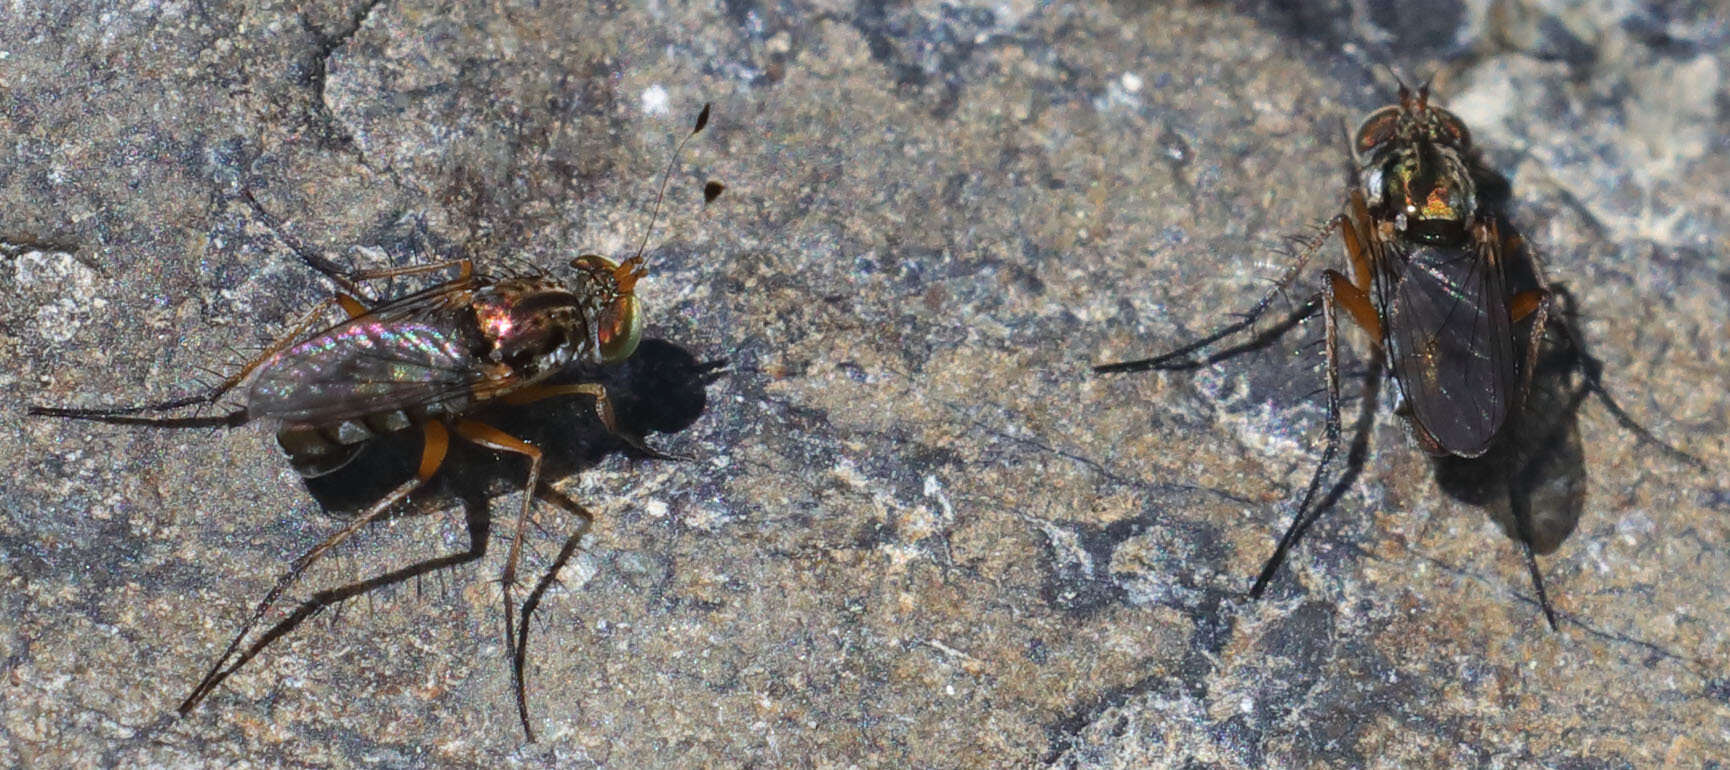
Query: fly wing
{"type": "Point", "coordinates": [418, 351]}
{"type": "Point", "coordinates": [1452, 350]}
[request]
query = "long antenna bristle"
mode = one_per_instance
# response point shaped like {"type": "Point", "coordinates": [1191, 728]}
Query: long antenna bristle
{"type": "Point", "coordinates": [673, 163]}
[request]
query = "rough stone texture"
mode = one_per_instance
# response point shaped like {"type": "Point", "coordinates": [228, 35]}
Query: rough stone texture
{"type": "Point", "coordinates": [914, 529]}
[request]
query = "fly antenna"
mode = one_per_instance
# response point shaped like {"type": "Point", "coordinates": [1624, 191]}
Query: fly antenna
{"type": "Point", "coordinates": [635, 263]}
{"type": "Point", "coordinates": [1404, 92]}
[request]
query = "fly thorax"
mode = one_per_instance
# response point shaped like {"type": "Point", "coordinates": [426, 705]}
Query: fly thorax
{"type": "Point", "coordinates": [532, 326]}
{"type": "Point", "coordinates": [1431, 194]}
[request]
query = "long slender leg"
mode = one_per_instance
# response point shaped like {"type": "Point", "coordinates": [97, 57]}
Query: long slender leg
{"type": "Point", "coordinates": [334, 597]}
{"type": "Point", "coordinates": [1336, 287]}
{"type": "Point", "coordinates": [1356, 302]}
{"type": "Point", "coordinates": [465, 270]}
{"type": "Point", "coordinates": [1589, 365]}
{"type": "Point", "coordinates": [349, 283]}
{"type": "Point", "coordinates": [1337, 290]}
{"type": "Point", "coordinates": [1592, 369]}
{"type": "Point", "coordinates": [493, 438]}
{"type": "Point", "coordinates": [312, 259]}
{"type": "Point", "coordinates": [432, 456]}
{"type": "Point", "coordinates": [300, 327]}
{"type": "Point", "coordinates": [520, 660]}
{"type": "Point", "coordinates": [1523, 527]}
{"type": "Point", "coordinates": [1179, 358]}
{"type": "Point", "coordinates": [1534, 303]}
{"type": "Point", "coordinates": [603, 410]}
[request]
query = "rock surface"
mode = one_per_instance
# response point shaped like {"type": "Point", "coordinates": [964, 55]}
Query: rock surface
{"type": "Point", "coordinates": [913, 529]}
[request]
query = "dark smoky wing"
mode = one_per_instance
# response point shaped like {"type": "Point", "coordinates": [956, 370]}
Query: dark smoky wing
{"type": "Point", "coordinates": [1452, 353]}
{"type": "Point", "coordinates": [418, 351]}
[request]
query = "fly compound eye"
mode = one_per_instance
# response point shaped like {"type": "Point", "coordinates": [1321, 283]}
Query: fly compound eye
{"type": "Point", "coordinates": [1450, 129]}
{"type": "Point", "coordinates": [618, 326]}
{"type": "Point", "coordinates": [1378, 128]}
{"type": "Point", "coordinates": [621, 328]}
{"type": "Point", "coordinates": [594, 263]}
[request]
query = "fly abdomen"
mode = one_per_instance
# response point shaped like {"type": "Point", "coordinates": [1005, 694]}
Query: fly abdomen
{"type": "Point", "coordinates": [315, 450]}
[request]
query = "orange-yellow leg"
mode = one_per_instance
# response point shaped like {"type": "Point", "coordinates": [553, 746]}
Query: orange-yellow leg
{"type": "Point", "coordinates": [603, 409]}
{"type": "Point", "coordinates": [1355, 231]}
{"type": "Point", "coordinates": [493, 438]}
{"type": "Point", "coordinates": [1524, 303]}
{"type": "Point", "coordinates": [1356, 302]}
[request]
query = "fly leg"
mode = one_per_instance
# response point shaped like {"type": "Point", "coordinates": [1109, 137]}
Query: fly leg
{"type": "Point", "coordinates": [1536, 304]}
{"type": "Point", "coordinates": [603, 410]}
{"type": "Point", "coordinates": [432, 456]}
{"type": "Point", "coordinates": [124, 414]}
{"type": "Point", "coordinates": [1180, 357]}
{"type": "Point", "coordinates": [1589, 366]}
{"type": "Point", "coordinates": [1592, 369]}
{"type": "Point", "coordinates": [1522, 516]}
{"type": "Point", "coordinates": [349, 282]}
{"type": "Point", "coordinates": [465, 270]}
{"type": "Point", "coordinates": [493, 438]}
{"type": "Point", "coordinates": [1354, 296]}
{"type": "Point", "coordinates": [516, 635]}
{"type": "Point", "coordinates": [520, 660]}
{"type": "Point", "coordinates": [1336, 292]}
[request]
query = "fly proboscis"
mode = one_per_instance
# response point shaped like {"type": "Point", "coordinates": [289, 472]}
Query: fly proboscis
{"type": "Point", "coordinates": [423, 361]}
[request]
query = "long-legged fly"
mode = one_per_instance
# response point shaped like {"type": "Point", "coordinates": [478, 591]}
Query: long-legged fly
{"type": "Point", "coordinates": [423, 361]}
{"type": "Point", "coordinates": [1429, 255]}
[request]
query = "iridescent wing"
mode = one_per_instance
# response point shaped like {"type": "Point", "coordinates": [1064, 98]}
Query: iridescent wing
{"type": "Point", "coordinates": [1449, 339]}
{"type": "Point", "coordinates": [420, 351]}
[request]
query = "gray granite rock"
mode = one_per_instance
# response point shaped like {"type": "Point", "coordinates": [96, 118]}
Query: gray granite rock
{"type": "Point", "coordinates": [913, 528]}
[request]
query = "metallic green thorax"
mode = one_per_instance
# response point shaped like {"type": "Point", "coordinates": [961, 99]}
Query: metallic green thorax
{"type": "Point", "coordinates": [1413, 157]}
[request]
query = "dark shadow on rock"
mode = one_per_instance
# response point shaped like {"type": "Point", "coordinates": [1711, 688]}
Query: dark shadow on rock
{"type": "Point", "coordinates": [1536, 469]}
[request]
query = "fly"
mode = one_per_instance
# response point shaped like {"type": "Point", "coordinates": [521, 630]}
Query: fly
{"type": "Point", "coordinates": [424, 361]}
{"type": "Point", "coordinates": [1428, 283]}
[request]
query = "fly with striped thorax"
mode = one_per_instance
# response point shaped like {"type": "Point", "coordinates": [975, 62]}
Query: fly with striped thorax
{"type": "Point", "coordinates": [1433, 283]}
{"type": "Point", "coordinates": [423, 361]}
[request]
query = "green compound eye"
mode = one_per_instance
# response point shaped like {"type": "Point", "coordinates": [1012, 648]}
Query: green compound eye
{"type": "Point", "coordinates": [621, 328]}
